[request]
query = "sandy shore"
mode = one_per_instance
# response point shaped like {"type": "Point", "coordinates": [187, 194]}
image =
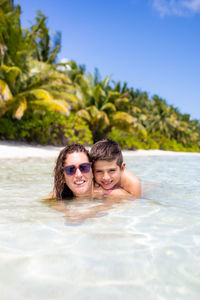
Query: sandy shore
{"type": "Point", "coordinates": [9, 149]}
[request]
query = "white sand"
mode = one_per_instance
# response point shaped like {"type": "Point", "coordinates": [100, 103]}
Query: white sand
{"type": "Point", "coordinates": [21, 150]}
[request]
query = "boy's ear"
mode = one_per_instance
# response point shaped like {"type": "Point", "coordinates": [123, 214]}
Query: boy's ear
{"type": "Point", "coordinates": [123, 166]}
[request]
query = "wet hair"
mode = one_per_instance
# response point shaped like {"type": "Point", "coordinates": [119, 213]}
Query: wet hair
{"type": "Point", "coordinates": [61, 189]}
{"type": "Point", "coordinates": [106, 149]}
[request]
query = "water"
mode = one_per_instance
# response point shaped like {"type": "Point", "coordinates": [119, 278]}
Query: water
{"type": "Point", "coordinates": [143, 249]}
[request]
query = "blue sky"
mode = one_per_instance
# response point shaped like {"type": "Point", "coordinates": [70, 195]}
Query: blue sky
{"type": "Point", "coordinates": [153, 45]}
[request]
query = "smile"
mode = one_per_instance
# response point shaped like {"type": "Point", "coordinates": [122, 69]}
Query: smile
{"type": "Point", "coordinates": [79, 182]}
{"type": "Point", "coordinates": [107, 182]}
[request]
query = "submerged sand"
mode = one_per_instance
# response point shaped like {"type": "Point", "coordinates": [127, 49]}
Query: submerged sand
{"type": "Point", "coordinates": [10, 149]}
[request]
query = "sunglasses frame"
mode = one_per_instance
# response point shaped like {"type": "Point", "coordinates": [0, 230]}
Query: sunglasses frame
{"type": "Point", "coordinates": [88, 164]}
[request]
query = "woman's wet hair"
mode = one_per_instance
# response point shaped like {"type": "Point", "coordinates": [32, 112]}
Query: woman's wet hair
{"type": "Point", "coordinates": [60, 186]}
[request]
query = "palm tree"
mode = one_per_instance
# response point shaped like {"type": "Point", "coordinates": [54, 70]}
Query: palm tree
{"type": "Point", "coordinates": [101, 107]}
{"type": "Point", "coordinates": [26, 83]}
{"type": "Point", "coordinates": [139, 108]}
{"type": "Point", "coordinates": [187, 132]}
{"type": "Point", "coordinates": [75, 72]}
{"type": "Point", "coordinates": [12, 40]}
{"type": "Point", "coordinates": [41, 88]}
{"type": "Point", "coordinates": [44, 49]}
{"type": "Point", "coordinates": [163, 118]}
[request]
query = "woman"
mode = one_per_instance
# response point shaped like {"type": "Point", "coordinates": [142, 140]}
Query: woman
{"type": "Point", "coordinates": [73, 173]}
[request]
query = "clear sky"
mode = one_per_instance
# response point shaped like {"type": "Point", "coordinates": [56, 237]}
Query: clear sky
{"type": "Point", "coordinates": [153, 45]}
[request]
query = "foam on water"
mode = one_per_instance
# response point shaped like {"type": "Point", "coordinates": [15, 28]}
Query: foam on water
{"type": "Point", "coordinates": [142, 249]}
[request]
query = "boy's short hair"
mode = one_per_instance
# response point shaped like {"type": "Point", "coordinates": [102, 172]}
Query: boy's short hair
{"type": "Point", "coordinates": [106, 149]}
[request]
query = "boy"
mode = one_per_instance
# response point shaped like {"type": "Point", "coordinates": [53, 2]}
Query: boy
{"type": "Point", "coordinates": [109, 169]}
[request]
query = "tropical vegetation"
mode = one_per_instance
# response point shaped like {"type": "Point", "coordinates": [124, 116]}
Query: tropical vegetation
{"type": "Point", "coordinates": [48, 102]}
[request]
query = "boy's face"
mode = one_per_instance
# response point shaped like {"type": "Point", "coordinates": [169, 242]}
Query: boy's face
{"type": "Point", "coordinates": [108, 173]}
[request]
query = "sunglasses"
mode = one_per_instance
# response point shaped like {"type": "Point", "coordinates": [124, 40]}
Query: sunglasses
{"type": "Point", "coordinates": [71, 170]}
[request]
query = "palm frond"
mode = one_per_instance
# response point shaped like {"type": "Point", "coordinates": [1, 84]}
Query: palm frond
{"type": "Point", "coordinates": [60, 106]}
{"type": "Point", "coordinates": [5, 92]}
{"type": "Point", "coordinates": [18, 114]}
{"type": "Point", "coordinates": [109, 107]}
{"type": "Point", "coordinates": [84, 115]}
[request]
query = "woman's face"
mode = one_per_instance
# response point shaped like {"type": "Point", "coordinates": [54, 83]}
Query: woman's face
{"type": "Point", "coordinates": [81, 184]}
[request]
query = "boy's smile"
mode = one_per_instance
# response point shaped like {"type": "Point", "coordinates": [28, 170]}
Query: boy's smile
{"type": "Point", "coordinates": [107, 173]}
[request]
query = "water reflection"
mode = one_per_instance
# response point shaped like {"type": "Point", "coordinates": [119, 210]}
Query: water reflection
{"type": "Point", "coordinates": [80, 209]}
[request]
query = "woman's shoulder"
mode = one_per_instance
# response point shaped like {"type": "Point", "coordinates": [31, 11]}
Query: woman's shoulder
{"type": "Point", "coordinates": [51, 196]}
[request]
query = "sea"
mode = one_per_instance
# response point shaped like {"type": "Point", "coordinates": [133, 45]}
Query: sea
{"type": "Point", "coordinates": [147, 248]}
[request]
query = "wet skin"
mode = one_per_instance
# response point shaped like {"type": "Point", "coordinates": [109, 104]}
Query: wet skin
{"type": "Point", "coordinates": [81, 184]}
{"type": "Point", "coordinates": [108, 173]}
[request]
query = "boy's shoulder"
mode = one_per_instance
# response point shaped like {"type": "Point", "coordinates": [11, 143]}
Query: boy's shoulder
{"type": "Point", "coordinates": [126, 174]}
{"type": "Point", "coordinates": [131, 183]}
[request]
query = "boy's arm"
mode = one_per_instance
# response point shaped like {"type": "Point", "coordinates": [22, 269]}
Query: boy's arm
{"type": "Point", "coordinates": [119, 192]}
{"type": "Point", "coordinates": [131, 183]}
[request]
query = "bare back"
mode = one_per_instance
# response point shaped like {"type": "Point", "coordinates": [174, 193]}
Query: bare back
{"type": "Point", "coordinates": [131, 183]}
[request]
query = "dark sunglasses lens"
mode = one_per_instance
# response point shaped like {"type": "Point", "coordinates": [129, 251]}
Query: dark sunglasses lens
{"type": "Point", "coordinates": [85, 168]}
{"type": "Point", "coordinates": [71, 170]}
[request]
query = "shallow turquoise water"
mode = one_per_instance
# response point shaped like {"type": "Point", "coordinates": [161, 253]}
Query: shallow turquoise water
{"type": "Point", "coordinates": [143, 249]}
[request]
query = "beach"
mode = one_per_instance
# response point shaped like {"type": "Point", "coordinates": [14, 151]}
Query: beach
{"type": "Point", "coordinates": [11, 149]}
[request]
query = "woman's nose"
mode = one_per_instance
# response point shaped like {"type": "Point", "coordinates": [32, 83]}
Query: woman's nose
{"type": "Point", "coordinates": [78, 172]}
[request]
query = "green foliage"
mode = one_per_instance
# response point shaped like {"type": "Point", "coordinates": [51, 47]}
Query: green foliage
{"type": "Point", "coordinates": [44, 50]}
{"type": "Point", "coordinates": [46, 128]}
{"type": "Point", "coordinates": [126, 140]}
{"type": "Point", "coordinates": [48, 103]}
{"type": "Point", "coordinates": [8, 129]}
{"type": "Point", "coordinates": [153, 141]}
{"type": "Point", "coordinates": [28, 77]}
{"type": "Point", "coordinates": [100, 106]}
